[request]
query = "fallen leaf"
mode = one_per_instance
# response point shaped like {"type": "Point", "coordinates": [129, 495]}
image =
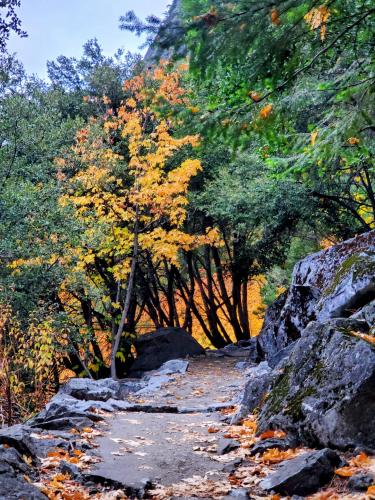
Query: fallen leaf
{"type": "Point", "coordinates": [360, 460]}
{"type": "Point", "coordinates": [250, 424]}
{"type": "Point", "coordinates": [346, 471]}
{"type": "Point", "coordinates": [272, 434]}
{"type": "Point", "coordinates": [274, 456]}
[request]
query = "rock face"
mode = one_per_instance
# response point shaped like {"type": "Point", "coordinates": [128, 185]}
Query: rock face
{"type": "Point", "coordinates": [332, 283]}
{"type": "Point", "coordinates": [167, 36]}
{"type": "Point", "coordinates": [325, 393]}
{"type": "Point", "coordinates": [91, 390]}
{"type": "Point", "coordinates": [360, 482]}
{"type": "Point", "coordinates": [163, 345]}
{"type": "Point", "coordinates": [16, 487]}
{"type": "Point", "coordinates": [318, 381]}
{"type": "Point", "coordinates": [258, 381]}
{"type": "Point", "coordinates": [303, 475]}
{"type": "Point", "coordinates": [18, 437]}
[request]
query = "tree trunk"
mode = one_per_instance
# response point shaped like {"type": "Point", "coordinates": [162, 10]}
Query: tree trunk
{"type": "Point", "coordinates": [129, 292]}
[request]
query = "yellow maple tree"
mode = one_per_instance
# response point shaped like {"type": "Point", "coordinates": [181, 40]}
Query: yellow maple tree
{"type": "Point", "coordinates": [130, 191]}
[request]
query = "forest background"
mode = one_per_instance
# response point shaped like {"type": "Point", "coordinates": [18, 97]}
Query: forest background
{"type": "Point", "coordinates": [135, 196]}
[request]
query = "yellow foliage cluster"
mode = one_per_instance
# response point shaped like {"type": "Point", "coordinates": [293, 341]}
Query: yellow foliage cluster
{"type": "Point", "coordinates": [112, 190]}
{"type": "Point", "coordinates": [317, 18]}
{"type": "Point", "coordinates": [28, 358]}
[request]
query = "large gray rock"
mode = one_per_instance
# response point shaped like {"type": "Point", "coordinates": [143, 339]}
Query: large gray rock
{"type": "Point", "coordinates": [13, 487]}
{"type": "Point", "coordinates": [174, 366]}
{"type": "Point", "coordinates": [18, 437]}
{"type": "Point", "coordinates": [351, 287]}
{"type": "Point", "coordinates": [326, 392]}
{"type": "Point", "coordinates": [257, 384]}
{"type": "Point", "coordinates": [304, 474]}
{"type": "Point", "coordinates": [328, 284]}
{"type": "Point", "coordinates": [367, 313]}
{"type": "Point", "coordinates": [13, 458]}
{"type": "Point", "coordinates": [66, 412]}
{"type": "Point", "coordinates": [247, 349]}
{"type": "Point", "coordinates": [162, 345]}
{"type": "Point", "coordinates": [91, 390]}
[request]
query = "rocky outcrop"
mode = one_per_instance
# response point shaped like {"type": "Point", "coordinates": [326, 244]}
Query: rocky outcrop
{"type": "Point", "coordinates": [77, 403]}
{"type": "Point", "coordinates": [165, 344]}
{"type": "Point", "coordinates": [14, 486]}
{"type": "Point", "coordinates": [325, 393]}
{"type": "Point", "coordinates": [171, 30]}
{"type": "Point", "coordinates": [318, 382]}
{"type": "Point", "coordinates": [18, 437]}
{"type": "Point", "coordinates": [332, 283]}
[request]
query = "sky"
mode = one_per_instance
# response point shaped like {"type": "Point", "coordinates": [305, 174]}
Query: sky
{"type": "Point", "coordinates": [58, 27]}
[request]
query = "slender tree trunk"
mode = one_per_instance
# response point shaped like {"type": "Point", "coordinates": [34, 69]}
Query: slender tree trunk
{"type": "Point", "coordinates": [127, 303]}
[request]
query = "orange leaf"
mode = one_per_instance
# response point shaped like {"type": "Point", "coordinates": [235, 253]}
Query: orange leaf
{"type": "Point", "coordinates": [371, 489]}
{"type": "Point", "coordinates": [58, 452]}
{"type": "Point", "coordinates": [360, 460]}
{"type": "Point", "coordinates": [255, 96]}
{"type": "Point", "coordinates": [275, 17]}
{"type": "Point", "coordinates": [272, 434]}
{"type": "Point", "coordinates": [266, 111]}
{"type": "Point", "coordinates": [78, 453]}
{"type": "Point", "coordinates": [61, 477]}
{"type": "Point", "coordinates": [250, 424]}
{"type": "Point", "coordinates": [346, 471]}
{"type": "Point", "coordinates": [77, 495]}
{"type": "Point", "coordinates": [87, 429]}
{"type": "Point", "coordinates": [353, 141]}
{"type": "Point", "coordinates": [212, 430]}
{"type": "Point", "coordinates": [274, 456]}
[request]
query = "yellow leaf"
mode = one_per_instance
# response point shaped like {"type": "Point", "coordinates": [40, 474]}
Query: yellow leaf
{"type": "Point", "coordinates": [314, 135]}
{"type": "Point", "coordinates": [317, 18]}
{"type": "Point", "coordinates": [250, 424]}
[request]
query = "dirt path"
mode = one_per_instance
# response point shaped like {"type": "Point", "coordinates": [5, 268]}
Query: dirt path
{"type": "Point", "coordinates": [165, 447]}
